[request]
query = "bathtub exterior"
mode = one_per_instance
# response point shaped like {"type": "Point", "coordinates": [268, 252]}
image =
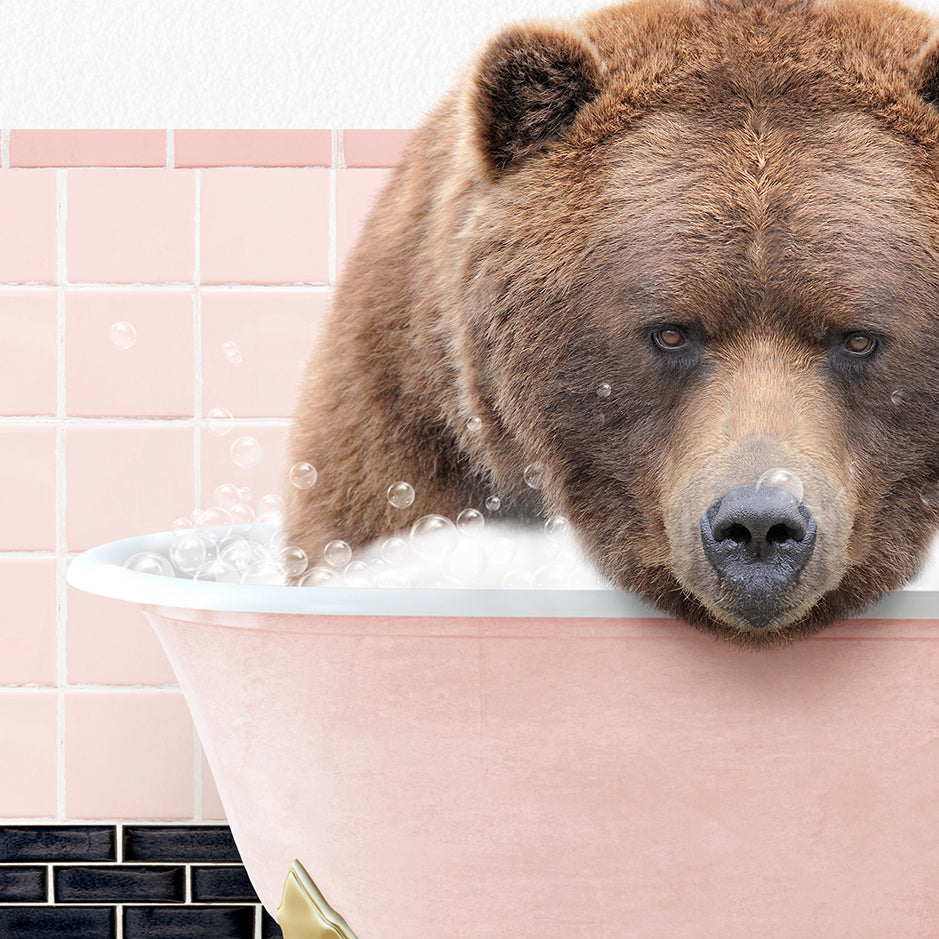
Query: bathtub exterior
{"type": "Point", "coordinates": [550, 778]}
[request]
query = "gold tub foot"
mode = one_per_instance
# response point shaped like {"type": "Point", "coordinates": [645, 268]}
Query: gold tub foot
{"type": "Point", "coordinates": [304, 913]}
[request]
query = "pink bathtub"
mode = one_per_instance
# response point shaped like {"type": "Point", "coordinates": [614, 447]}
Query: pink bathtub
{"type": "Point", "coordinates": [456, 764]}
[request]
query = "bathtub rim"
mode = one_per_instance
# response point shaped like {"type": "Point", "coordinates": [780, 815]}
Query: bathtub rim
{"type": "Point", "coordinates": [99, 571]}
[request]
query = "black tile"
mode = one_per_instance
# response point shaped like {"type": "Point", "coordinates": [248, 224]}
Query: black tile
{"type": "Point", "coordinates": [188, 922]}
{"type": "Point", "coordinates": [119, 884]}
{"type": "Point", "coordinates": [221, 883]}
{"type": "Point", "coordinates": [270, 929]}
{"type": "Point", "coordinates": [57, 843]}
{"type": "Point", "coordinates": [26, 884]}
{"type": "Point", "coordinates": [48, 921]}
{"type": "Point", "coordinates": [179, 843]}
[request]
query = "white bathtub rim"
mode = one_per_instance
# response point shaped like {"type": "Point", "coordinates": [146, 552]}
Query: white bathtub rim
{"type": "Point", "coordinates": [100, 571]}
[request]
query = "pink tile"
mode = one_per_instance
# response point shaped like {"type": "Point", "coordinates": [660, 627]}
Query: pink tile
{"type": "Point", "coordinates": [111, 643]}
{"type": "Point", "coordinates": [274, 332]}
{"type": "Point", "coordinates": [253, 147]}
{"type": "Point", "coordinates": [27, 237]}
{"type": "Point", "coordinates": [28, 748]}
{"type": "Point", "coordinates": [267, 477]}
{"type": "Point", "coordinates": [28, 348]}
{"type": "Point", "coordinates": [375, 147]}
{"type": "Point", "coordinates": [153, 378]}
{"type": "Point", "coordinates": [27, 488]}
{"type": "Point", "coordinates": [131, 225]}
{"type": "Point", "coordinates": [125, 480]}
{"type": "Point", "coordinates": [87, 147]}
{"type": "Point", "coordinates": [27, 627]}
{"type": "Point", "coordinates": [212, 808]}
{"type": "Point", "coordinates": [128, 755]}
{"type": "Point", "coordinates": [264, 226]}
{"type": "Point", "coordinates": [356, 191]}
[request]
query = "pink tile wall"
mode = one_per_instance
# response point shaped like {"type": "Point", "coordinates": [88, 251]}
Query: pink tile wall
{"type": "Point", "coordinates": [195, 238]}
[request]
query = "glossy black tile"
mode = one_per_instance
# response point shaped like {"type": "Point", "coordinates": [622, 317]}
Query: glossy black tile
{"type": "Point", "coordinates": [57, 843]}
{"type": "Point", "coordinates": [205, 922]}
{"type": "Point", "coordinates": [179, 843]}
{"type": "Point", "coordinates": [119, 884]}
{"type": "Point", "coordinates": [269, 926]}
{"type": "Point", "coordinates": [23, 884]}
{"type": "Point", "coordinates": [48, 921]}
{"type": "Point", "coordinates": [222, 883]}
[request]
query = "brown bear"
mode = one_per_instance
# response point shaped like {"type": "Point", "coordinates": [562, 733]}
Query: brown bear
{"type": "Point", "coordinates": [661, 251]}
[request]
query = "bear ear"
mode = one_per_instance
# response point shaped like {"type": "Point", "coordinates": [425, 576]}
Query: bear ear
{"type": "Point", "coordinates": [529, 84]}
{"type": "Point", "coordinates": [925, 72]}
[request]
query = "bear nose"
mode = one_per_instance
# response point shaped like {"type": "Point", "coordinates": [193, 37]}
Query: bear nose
{"type": "Point", "coordinates": [758, 541]}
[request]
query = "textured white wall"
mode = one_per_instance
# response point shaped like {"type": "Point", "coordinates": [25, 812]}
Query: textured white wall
{"type": "Point", "coordinates": [242, 63]}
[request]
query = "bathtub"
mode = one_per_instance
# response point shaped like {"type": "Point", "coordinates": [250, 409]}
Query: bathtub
{"type": "Point", "coordinates": [460, 764]}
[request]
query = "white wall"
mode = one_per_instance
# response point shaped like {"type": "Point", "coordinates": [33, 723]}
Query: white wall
{"type": "Point", "coordinates": [242, 63]}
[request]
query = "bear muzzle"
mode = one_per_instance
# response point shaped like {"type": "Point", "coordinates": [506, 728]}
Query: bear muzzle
{"type": "Point", "coordinates": [758, 541]}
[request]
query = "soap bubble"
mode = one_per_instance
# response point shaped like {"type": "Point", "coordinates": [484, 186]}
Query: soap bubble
{"type": "Point", "coordinates": [218, 571]}
{"type": "Point", "coordinates": [474, 424]}
{"type": "Point", "coordinates": [245, 452]}
{"type": "Point", "coordinates": [394, 550]}
{"type": "Point", "coordinates": [401, 495]}
{"type": "Point", "coordinates": [470, 520]}
{"type": "Point", "coordinates": [302, 475]}
{"type": "Point", "coordinates": [337, 554]}
{"type": "Point", "coordinates": [189, 552]}
{"type": "Point", "coordinates": [534, 475]}
{"type": "Point", "coordinates": [226, 496]}
{"type": "Point", "coordinates": [493, 503]}
{"type": "Point", "coordinates": [270, 509]}
{"type": "Point", "coordinates": [519, 580]}
{"type": "Point", "coordinates": [220, 422]}
{"type": "Point", "coordinates": [392, 578]}
{"type": "Point", "coordinates": [784, 479]}
{"type": "Point", "coordinates": [552, 577]}
{"type": "Point", "coordinates": [557, 527]}
{"type": "Point", "coordinates": [293, 560]}
{"type": "Point", "coordinates": [604, 390]}
{"type": "Point", "coordinates": [122, 335]}
{"type": "Point", "coordinates": [356, 574]}
{"type": "Point", "coordinates": [242, 514]}
{"type": "Point", "coordinates": [441, 544]}
{"type": "Point", "coordinates": [321, 577]}
{"type": "Point", "coordinates": [232, 353]}
{"type": "Point", "coordinates": [214, 517]}
{"type": "Point", "coordinates": [238, 552]}
{"type": "Point", "coordinates": [898, 399]}
{"type": "Point", "coordinates": [263, 571]}
{"type": "Point", "coordinates": [149, 562]}
{"type": "Point", "coordinates": [182, 524]}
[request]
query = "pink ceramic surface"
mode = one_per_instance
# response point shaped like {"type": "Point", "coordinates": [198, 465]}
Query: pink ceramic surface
{"type": "Point", "coordinates": [28, 752]}
{"type": "Point", "coordinates": [273, 331]}
{"type": "Point", "coordinates": [356, 191]}
{"type": "Point", "coordinates": [148, 735]}
{"type": "Point", "coordinates": [27, 627]}
{"type": "Point", "coordinates": [374, 147]}
{"type": "Point", "coordinates": [218, 467]}
{"type": "Point", "coordinates": [264, 226]}
{"type": "Point", "coordinates": [125, 479]}
{"type": "Point", "coordinates": [28, 235]}
{"type": "Point", "coordinates": [153, 378]}
{"type": "Point", "coordinates": [253, 147]}
{"type": "Point", "coordinates": [103, 147]}
{"type": "Point", "coordinates": [573, 779]}
{"type": "Point", "coordinates": [28, 346]}
{"type": "Point", "coordinates": [131, 225]}
{"type": "Point", "coordinates": [27, 488]}
{"type": "Point", "coordinates": [110, 644]}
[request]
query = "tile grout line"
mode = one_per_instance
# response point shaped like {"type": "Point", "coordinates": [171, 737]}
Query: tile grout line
{"type": "Point", "coordinates": [337, 158]}
{"type": "Point", "coordinates": [197, 807]}
{"type": "Point", "coordinates": [61, 541]}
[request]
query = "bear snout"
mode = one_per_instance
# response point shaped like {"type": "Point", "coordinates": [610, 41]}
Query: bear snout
{"type": "Point", "coordinates": [758, 540]}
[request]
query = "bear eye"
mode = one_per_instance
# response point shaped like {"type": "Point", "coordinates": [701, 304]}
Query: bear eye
{"type": "Point", "coordinates": [860, 344]}
{"type": "Point", "coordinates": [669, 338]}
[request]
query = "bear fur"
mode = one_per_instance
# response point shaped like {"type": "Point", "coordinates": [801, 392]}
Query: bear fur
{"type": "Point", "coordinates": [725, 210]}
